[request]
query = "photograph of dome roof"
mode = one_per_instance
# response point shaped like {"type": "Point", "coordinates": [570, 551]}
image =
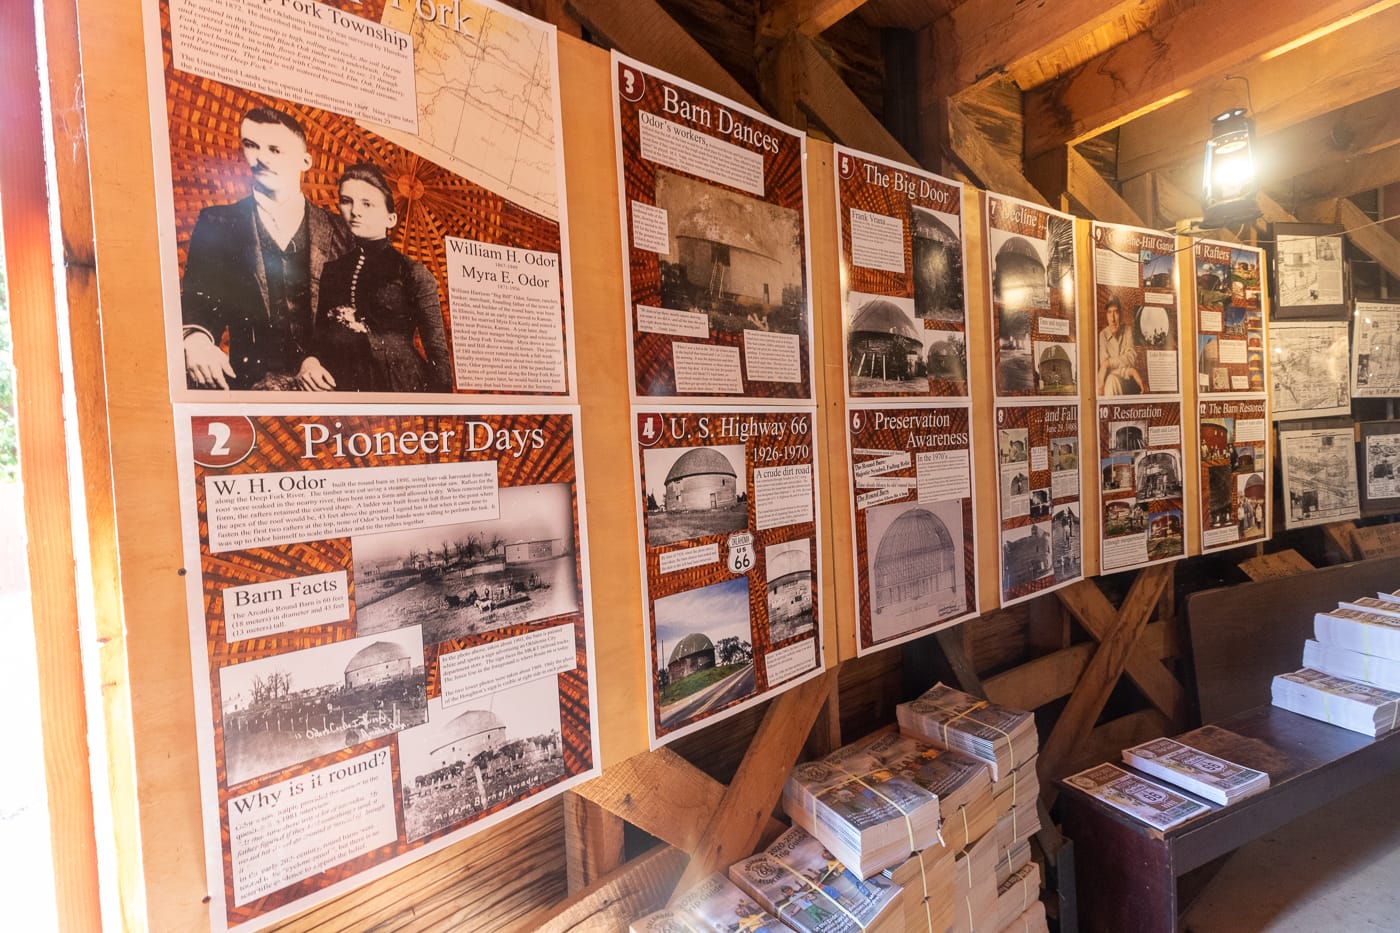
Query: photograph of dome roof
{"type": "Point", "coordinates": [938, 264]}
{"type": "Point", "coordinates": [473, 757]}
{"type": "Point", "coordinates": [293, 707]}
{"type": "Point", "coordinates": [704, 652]}
{"type": "Point", "coordinates": [914, 566]}
{"type": "Point", "coordinates": [694, 492]}
{"type": "Point", "coordinates": [885, 345]}
{"type": "Point", "coordinates": [787, 570]}
{"type": "Point", "coordinates": [1056, 367]}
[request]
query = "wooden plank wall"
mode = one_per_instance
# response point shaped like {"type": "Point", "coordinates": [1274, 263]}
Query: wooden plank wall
{"type": "Point", "coordinates": [514, 875]}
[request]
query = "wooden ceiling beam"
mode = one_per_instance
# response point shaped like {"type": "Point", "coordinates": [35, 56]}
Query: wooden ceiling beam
{"type": "Point", "coordinates": [808, 17]}
{"type": "Point", "coordinates": [1370, 238]}
{"type": "Point", "coordinates": [986, 164]}
{"type": "Point", "coordinates": [986, 38]}
{"type": "Point", "coordinates": [1317, 85]}
{"type": "Point", "coordinates": [1097, 196]}
{"type": "Point", "coordinates": [643, 30]}
{"type": "Point", "coordinates": [1167, 62]}
{"type": "Point", "coordinates": [1366, 173]}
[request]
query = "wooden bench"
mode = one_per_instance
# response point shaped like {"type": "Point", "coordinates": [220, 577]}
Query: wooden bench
{"type": "Point", "coordinates": [1241, 636]}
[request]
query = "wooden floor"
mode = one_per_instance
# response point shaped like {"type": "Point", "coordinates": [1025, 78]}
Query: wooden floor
{"type": "Point", "coordinates": [1335, 869]}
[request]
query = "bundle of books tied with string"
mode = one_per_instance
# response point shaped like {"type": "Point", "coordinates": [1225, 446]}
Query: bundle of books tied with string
{"type": "Point", "coordinates": [949, 718]}
{"type": "Point", "coordinates": [861, 809]}
{"type": "Point", "coordinates": [1359, 640]}
{"type": "Point", "coordinates": [1198, 772]}
{"type": "Point", "coordinates": [1356, 706]}
{"type": "Point", "coordinates": [803, 884]}
{"type": "Point", "coordinates": [715, 905]}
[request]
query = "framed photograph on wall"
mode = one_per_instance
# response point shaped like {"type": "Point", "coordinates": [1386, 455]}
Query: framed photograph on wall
{"type": "Point", "coordinates": [1380, 467]}
{"type": "Point", "coordinates": [1309, 271]}
{"type": "Point", "coordinates": [1319, 476]}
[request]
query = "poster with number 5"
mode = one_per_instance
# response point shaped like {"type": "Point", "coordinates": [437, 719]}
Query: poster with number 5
{"type": "Point", "coordinates": [728, 532]}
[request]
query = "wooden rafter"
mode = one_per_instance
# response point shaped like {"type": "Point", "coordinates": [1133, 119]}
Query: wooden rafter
{"type": "Point", "coordinates": [1167, 62]}
{"type": "Point", "coordinates": [985, 38]}
{"type": "Point", "coordinates": [642, 29]}
{"type": "Point", "coordinates": [985, 163]}
{"type": "Point", "coordinates": [806, 17]}
{"type": "Point", "coordinates": [1097, 196]}
{"type": "Point", "coordinates": [1371, 239]}
{"type": "Point", "coordinates": [1363, 173]}
{"type": "Point", "coordinates": [1312, 83]}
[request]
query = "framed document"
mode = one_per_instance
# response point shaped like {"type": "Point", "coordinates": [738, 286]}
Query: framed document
{"type": "Point", "coordinates": [1309, 272]}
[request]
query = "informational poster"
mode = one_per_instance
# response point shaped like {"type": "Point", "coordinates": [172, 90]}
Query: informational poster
{"type": "Point", "coordinates": [714, 239]}
{"type": "Point", "coordinates": [915, 541]}
{"type": "Point", "coordinates": [1319, 476]}
{"type": "Point", "coordinates": [1229, 318]}
{"type": "Point", "coordinates": [1035, 350]}
{"type": "Point", "coordinates": [360, 197]}
{"type": "Point", "coordinates": [1308, 364]}
{"type": "Point", "coordinates": [1141, 484]}
{"type": "Point", "coordinates": [729, 541]}
{"type": "Point", "coordinates": [1038, 498]}
{"type": "Point", "coordinates": [390, 634]}
{"type": "Point", "coordinates": [1236, 475]}
{"type": "Point", "coordinates": [902, 256]}
{"type": "Point", "coordinates": [1375, 350]}
{"type": "Point", "coordinates": [1136, 348]}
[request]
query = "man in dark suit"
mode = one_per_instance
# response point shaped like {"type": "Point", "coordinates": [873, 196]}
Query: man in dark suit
{"type": "Point", "coordinates": [253, 268]}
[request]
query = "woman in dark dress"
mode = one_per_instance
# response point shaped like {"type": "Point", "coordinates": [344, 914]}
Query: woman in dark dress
{"type": "Point", "coordinates": [374, 300]}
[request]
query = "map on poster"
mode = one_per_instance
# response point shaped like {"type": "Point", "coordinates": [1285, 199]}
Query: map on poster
{"type": "Point", "coordinates": [729, 541]}
{"type": "Point", "coordinates": [1229, 318]}
{"type": "Point", "coordinates": [390, 632]}
{"type": "Point", "coordinates": [1236, 473]}
{"type": "Point", "coordinates": [914, 542]}
{"type": "Point", "coordinates": [902, 259]}
{"type": "Point", "coordinates": [714, 243]}
{"type": "Point", "coordinates": [1319, 476]}
{"type": "Point", "coordinates": [1034, 275]}
{"type": "Point", "coordinates": [1038, 498]}
{"type": "Point", "coordinates": [1142, 483]}
{"type": "Point", "coordinates": [1137, 346]}
{"type": "Point", "coordinates": [1308, 366]}
{"type": "Point", "coordinates": [362, 196]}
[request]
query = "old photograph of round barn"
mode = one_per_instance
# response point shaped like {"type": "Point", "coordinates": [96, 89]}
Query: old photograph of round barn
{"type": "Point", "coordinates": [788, 572]}
{"type": "Point", "coordinates": [938, 264]}
{"type": "Point", "coordinates": [293, 707]}
{"type": "Point", "coordinates": [472, 577]}
{"type": "Point", "coordinates": [1158, 475]}
{"type": "Point", "coordinates": [915, 565]}
{"type": "Point", "coordinates": [886, 345]}
{"type": "Point", "coordinates": [703, 651]}
{"type": "Point", "coordinates": [476, 755]}
{"type": "Point", "coordinates": [736, 258]}
{"type": "Point", "coordinates": [1127, 435]}
{"type": "Point", "coordinates": [1025, 555]}
{"type": "Point", "coordinates": [694, 492]}
{"type": "Point", "coordinates": [1055, 366]}
{"type": "Point", "coordinates": [1020, 288]}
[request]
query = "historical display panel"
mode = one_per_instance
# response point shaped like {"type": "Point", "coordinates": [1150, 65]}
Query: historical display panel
{"type": "Point", "coordinates": [1142, 483]}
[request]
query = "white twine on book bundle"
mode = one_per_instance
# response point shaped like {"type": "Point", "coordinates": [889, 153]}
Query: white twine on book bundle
{"type": "Point", "coordinates": [860, 779]}
{"type": "Point", "coordinates": [980, 704]}
{"type": "Point", "coordinates": [923, 879]}
{"type": "Point", "coordinates": [817, 889]}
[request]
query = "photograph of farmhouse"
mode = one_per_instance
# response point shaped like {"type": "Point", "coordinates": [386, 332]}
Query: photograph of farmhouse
{"type": "Point", "coordinates": [704, 651]}
{"type": "Point", "coordinates": [788, 572]}
{"type": "Point", "coordinates": [472, 577]}
{"type": "Point", "coordinates": [734, 257]}
{"type": "Point", "coordinates": [694, 492]}
{"type": "Point", "coordinates": [470, 758]}
{"type": "Point", "coordinates": [289, 708]}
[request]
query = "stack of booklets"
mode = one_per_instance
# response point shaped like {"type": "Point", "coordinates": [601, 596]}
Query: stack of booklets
{"type": "Point", "coordinates": [1017, 893]}
{"type": "Point", "coordinates": [1193, 770]}
{"type": "Point", "coordinates": [1372, 633]}
{"type": "Point", "coordinates": [1032, 921]}
{"type": "Point", "coordinates": [1015, 788]}
{"type": "Point", "coordinates": [963, 784]}
{"type": "Point", "coordinates": [800, 882]}
{"type": "Point", "coordinates": [927, 880]}
{"type": "Point", "coordinates": [1156, 805]}
{"type": "Point", "coordinates": [975, 887]}
{"type": "Point", "coordinates": [949, 718]}
{"type": "Point", "coordinates": [1346, 703]}
{"type": "Point", "coordinates": [869, 817]}
{"type": "Point", "coordinates": [715, 905]}
{"type": "Point", "coordinates": [1359, 640]}
{"type": "Point", "coordinates": [1011, 859]}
